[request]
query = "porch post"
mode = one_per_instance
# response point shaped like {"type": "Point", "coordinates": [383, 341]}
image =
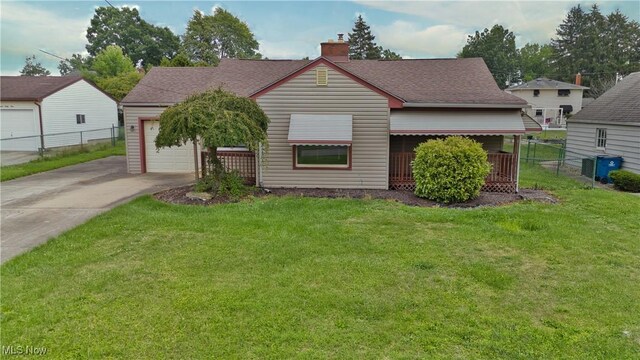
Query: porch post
{"type": "Point", "coordinates": [516, 159]}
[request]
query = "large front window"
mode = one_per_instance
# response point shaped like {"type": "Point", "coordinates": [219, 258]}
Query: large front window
{"type": "Point", "coordinates": [322, 156]}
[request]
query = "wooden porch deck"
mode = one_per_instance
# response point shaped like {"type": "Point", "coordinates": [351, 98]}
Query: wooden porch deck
{"type": "Point", "coordinates": [502, 178]}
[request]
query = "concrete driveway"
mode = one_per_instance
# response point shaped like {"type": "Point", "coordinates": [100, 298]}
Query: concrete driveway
{"type": "Point", "coordinates": [17, 157]}
{"type": "Point", "coordinates": [37, 207]}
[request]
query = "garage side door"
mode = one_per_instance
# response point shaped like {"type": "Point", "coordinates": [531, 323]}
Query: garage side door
{"type": "Point", "coordinates": [167, 160]}
{"type": "Point", "coordinates": [15, 123]}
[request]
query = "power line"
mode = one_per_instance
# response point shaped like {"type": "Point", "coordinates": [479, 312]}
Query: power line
{"type": "Point", "coordinates": [54, 55]}
{"type": "Point", "coordinates": [107, 1]}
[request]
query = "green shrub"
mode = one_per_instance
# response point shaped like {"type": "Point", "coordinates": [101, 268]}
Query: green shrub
{"type": "Point", "coordinates": [625, 180]}
{"type": "Point", "coordinates": [450, 170]}
{"type": "Point", "coordinates": [225, 183]}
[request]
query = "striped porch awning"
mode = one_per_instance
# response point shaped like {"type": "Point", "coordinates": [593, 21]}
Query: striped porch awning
{"type": "Point", "coordinates": [456, 123]}
{"type": "Point", "coordinates": [311, 129]}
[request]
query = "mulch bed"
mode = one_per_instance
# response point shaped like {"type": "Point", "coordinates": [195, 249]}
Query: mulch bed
{"type": "Point", "coordinates": [179, 196]}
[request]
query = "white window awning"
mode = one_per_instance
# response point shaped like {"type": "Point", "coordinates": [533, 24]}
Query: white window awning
{"type": "Point", "coordinates": [456, 123]}
{"type": "Point", "coordinates": [310, 129]}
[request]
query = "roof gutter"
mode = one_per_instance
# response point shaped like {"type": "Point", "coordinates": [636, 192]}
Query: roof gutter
{"type": "Point", "coordinates": [469, 106]}
{"type": "Point", "coordinates": [147, 104]}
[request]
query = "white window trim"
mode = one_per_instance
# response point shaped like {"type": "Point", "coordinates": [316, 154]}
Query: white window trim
{"type": "Point", "coordinates": [599, 132]}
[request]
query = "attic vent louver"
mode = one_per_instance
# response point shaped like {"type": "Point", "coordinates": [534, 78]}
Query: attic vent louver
{"type": "Point", "coordinates": [322, 77]}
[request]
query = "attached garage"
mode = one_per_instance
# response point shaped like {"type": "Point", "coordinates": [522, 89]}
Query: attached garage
{"type": "Point", "coordinates": [166, 160]}
{"type": "Point", "coordinates": [17, 123]}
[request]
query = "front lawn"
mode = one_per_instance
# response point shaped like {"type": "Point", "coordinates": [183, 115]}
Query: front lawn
{"type": "Point", "coordinates": [321, 278]}
{"type": "Point", "coordinates": [62, 159]}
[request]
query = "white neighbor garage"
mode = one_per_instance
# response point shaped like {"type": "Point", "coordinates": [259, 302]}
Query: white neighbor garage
{"type": "Point", "coordinates": [51, 106]}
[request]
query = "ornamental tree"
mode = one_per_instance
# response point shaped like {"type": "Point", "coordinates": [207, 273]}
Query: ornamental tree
{"type": "Point", "coordinates": [215, 118]}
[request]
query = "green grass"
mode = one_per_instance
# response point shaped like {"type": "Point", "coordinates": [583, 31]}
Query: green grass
{"type": "Point", "coordinates": [61, 159]}
{"type": "Point", "coordinates": [551, 135]}
{"type": "Point", "coordinates": [321, 278]}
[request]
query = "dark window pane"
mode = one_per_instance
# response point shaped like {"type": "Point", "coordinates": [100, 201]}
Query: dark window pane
{"type": "Point", "coordinates": [322, 155]}
{"type": "Point", "coordinates": [564, 92]}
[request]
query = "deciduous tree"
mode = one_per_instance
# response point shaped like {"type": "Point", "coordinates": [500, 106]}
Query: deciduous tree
{"type": "Point", "coordinates": [114, 72]}
{"type": "Point", "coordinates": [209, 38]}
{"type": "Point", "coordinates": [138, 39]}
{"type": "Point", "coordinates": [77, 63]}
{"type": "Point", "coordinates": [33, 68]}
{"type": "Point", "coordinates": [498, 49]}
{"type": "Point", "coordinates": [536, 61]}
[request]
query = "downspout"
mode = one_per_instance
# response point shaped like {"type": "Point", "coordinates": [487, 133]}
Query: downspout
{"type": "Point", "coordinates": [39, 105]}
{"type": "Point", "coordinates": [259, 166]}
{"type": "Point", "coordinates": [518, 166]}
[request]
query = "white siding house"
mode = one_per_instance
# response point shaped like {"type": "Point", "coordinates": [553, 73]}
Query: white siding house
{"type": "Point", "coordinates": [52, 111]}
{"type": "Point", "coordinates": [610, 125]}
{"type": "Point", "coordinates": [550, 102]}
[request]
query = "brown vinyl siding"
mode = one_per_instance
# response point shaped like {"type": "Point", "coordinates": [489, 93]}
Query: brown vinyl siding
{"type": "Point", "coordinates": [342, 95]}
{"type": "Point", "coordinates": [407, 143]}
{"type": "Point", "coordinates": [622, 140]}
{"type": "Point", "coordinates": [132, 137]}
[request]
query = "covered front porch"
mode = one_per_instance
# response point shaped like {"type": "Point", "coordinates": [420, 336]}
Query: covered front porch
{"type": "Point", "coordinates": [489, 128]}
{"type": "Point", "coordinates": [502, 178]}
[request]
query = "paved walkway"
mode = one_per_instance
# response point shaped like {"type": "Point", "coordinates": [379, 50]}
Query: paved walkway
{"type": "Point", "coordinates": [37, 207]}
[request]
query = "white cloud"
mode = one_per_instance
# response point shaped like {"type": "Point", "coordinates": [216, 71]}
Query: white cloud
{"type": "Point", "coordinates": [215, 7]}
{"type": "Point", "coordinates": [27, 28]}
{"type": "Point", "coordinates": [432, 41]}
{"type": "Point", "coordinates": [531, 21]}
{"type": "Point", "coordinates": [285, 49]}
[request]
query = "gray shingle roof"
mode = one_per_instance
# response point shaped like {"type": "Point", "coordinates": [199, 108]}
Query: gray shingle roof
{"type": "Point", "coordinates": [544, 83]}
{"type": "Point", "coordinates": [169, 85]}
{"type": "Point", "coordinates": [620, 104]}
{"type": "Point", "coordinates": [32, 88]}
{"type": "Point", "coordinates": [458, 81]}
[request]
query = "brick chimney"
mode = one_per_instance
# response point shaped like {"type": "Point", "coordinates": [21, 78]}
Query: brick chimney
{"type": "Point", "coordinates": [578, 79]}
{"type": "Point", "coordinates": [337, 51]}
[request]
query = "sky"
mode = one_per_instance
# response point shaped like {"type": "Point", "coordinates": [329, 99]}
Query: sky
{"type": "Point", "coordinates": [285, 29]}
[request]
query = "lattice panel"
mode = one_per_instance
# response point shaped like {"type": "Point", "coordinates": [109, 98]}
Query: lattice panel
{"type": "Point", "coordinates": [495, 187]}
{"type": "Point", "coordinates": [500, 187]}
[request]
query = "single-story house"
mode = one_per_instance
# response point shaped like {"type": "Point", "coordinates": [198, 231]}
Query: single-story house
{"type": "Point", "coordinates": [42, 112]}
{"type": "Point", "coordinates": [337, 122]}
{"type": "Point", "coordinates": [551, 102]}
{"type": "Point", "coordinates": [610, 125]}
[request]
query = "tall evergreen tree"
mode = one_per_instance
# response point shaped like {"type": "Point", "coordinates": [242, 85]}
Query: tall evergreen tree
{"type": "Point", "coordinates": [361, 42]}
{"type": "Point", "coordinates": [498, 49]}
{"type": "Point", "coordinates": [598, 46]}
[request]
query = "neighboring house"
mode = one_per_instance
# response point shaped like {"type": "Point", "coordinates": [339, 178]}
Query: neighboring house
{"type": "Point", "coordinates": [551, 102]}
{"type": "Point", "coordinates": [48, 111]}
{"type": "Point", "coordinates": [336, 122]}
{"type": "Point", "coordinates": [610, 125]}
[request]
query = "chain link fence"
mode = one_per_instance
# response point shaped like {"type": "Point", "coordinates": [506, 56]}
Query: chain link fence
{"type": "Point", "coordinates": [62, 141]}
{"type": "Point", "coordinates": [553, 155]}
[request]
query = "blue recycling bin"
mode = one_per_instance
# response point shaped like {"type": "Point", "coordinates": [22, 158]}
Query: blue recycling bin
{"type": "Point", "coordinates": [604, 164]}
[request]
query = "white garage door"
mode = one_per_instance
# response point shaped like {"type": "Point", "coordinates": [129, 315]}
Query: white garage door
{"type": "Point", "coordinates": [168, 160]}
{"type": "Point", "coordinates": [16, 123]}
